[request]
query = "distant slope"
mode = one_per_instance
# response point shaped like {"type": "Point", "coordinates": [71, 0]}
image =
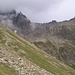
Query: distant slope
{"type": "Point", "coordinates": [65, 52]}
{"type": "Point", "coordinates": [59, 42]}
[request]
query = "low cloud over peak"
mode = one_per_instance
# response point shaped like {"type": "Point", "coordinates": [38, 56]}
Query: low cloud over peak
{"type": "Point", "coordinates": [41, 10]}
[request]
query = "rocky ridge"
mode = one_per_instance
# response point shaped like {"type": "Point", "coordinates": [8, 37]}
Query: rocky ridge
{"type": "Point", "coordinates": [55, 38]}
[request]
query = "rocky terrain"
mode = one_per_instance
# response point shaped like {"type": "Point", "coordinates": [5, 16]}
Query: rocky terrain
{"type": "Point", "coordinates": [55, 38]}
{"type": "Point", "coordinates": [19, 57]}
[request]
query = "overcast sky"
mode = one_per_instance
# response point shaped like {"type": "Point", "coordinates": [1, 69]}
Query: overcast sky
{"type": "Point", "coordinates": [42, 10]}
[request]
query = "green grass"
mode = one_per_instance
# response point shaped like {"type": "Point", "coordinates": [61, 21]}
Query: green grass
{"type": "Point", "coordinates": [6, 70]}
{"type": "Point", "coordinates": [1, 37]}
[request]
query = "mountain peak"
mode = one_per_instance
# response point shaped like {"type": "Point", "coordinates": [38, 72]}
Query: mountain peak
{"type": "Point", "coordinates": [73, 19]}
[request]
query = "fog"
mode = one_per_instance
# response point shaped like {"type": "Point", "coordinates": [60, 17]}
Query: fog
{"type": "Point", "coordinates": [41, 10]}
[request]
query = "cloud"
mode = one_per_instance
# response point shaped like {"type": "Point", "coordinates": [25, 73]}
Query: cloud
{"type": "Point", "coordinates": [41, 10]}
{"type": "Point", "coordinates": [31, 4]}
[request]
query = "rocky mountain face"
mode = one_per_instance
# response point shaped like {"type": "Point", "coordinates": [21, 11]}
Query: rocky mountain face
{"type": "Point", "coordinates": [15, 21]}
{"type": "Point", "coordinates": [59, 41]}
{"type": "Point", "coordinates": [55, 38]}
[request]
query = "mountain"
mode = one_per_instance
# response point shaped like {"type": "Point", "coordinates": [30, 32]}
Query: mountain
{"type": "Point", "coordinates": [19, 57]}
{"type": "Point", "coordinates": [59, 41]}
{"type": "Point", "coordinates": [55, 38]}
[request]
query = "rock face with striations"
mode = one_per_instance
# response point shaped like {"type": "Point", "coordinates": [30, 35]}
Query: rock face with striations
{"type": "Point", "coordinates": [21, 22]}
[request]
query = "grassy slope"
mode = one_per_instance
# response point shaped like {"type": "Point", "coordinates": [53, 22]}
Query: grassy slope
{"type": "Point", "coordinates": [35, 55]}
{"type": "Point", "coordinates": [6, 70]}
{"type": "Point", "coordinates": [64, 53]}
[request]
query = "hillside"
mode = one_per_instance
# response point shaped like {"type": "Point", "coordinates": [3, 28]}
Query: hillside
{"type": "Point", "coordinates": [59, 41]}
{"type": "Point", "coordinates": [19, 57]}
